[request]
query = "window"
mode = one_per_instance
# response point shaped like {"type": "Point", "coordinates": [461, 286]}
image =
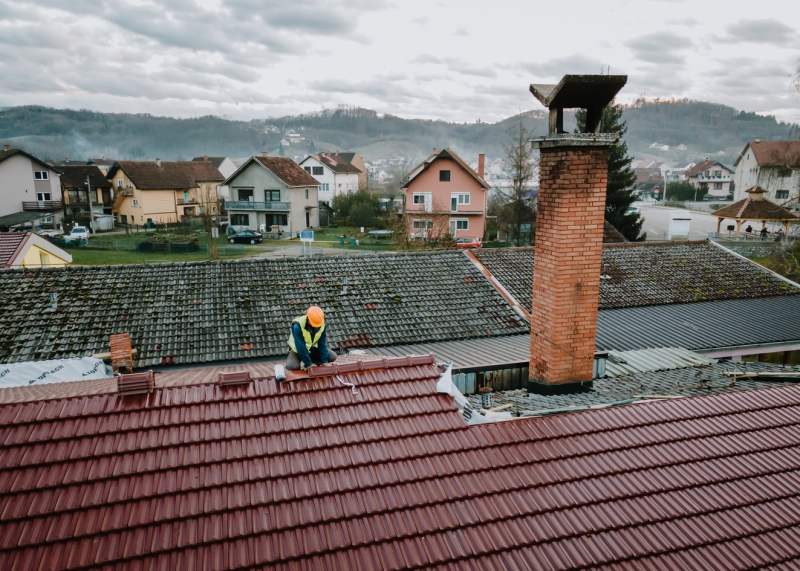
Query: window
{"type": "Point", "coordinates": [781, 194]}
{"type": "Point", "coordinates": [307, 169]}
{"type": "Point", "coordinates": [458, 198]}
{"type": "Point", "coordinates": [316, 170]}
{"type": "Point", "coordinates": [462, 224]}
{"type": "Point", "coordinates": [717, 186]}
{"type": "Point", "coordinates": [324, 187]}
{"type": "Point", "coordinates": [240, 220]}
{"type": "Point", "coordinates": [49, 219]}
{"type": "Point", "coordinates": [44, 259]}
{"type": "Point", "coordinates": [419, 199]}
{"type": "Point", "coordinates": [188, 211]}
{"type": "Point", "coordinates": [246, 194]}
{"type": "Point", "coordinates": [42, 196]}
{"type": "Point", "coordinates": [41, 175]}
{"type": "Point", "coordinates": [273, 195]}
{"type": "Point", "coordinates": [280, 220]}
{"type": "Point", "coordinates": [422, 224]}
{"type": "Point", "coordinates": [444, 176]}
{"type": "Point", "coordinates": [135, 202]}
{"type": "Point", "coordinates": [306, 194]}
{"type": "Point", "coordinates": [123, 219]}
{"type": "Point", "coordinates": [119, 183]}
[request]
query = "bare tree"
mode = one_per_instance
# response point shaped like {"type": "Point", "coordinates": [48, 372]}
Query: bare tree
{"type": "Point", "coordinates": [516, 205]}
{"type": "Point", "coordinates": [209, 211]}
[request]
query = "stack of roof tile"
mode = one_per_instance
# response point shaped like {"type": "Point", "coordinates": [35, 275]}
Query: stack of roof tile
{"type": "Point", "coordinates": [650, 274]}
{"type": "Point", "coordinates": [306, 475]}
{"type": "Point", "coordinates": [203, 312]}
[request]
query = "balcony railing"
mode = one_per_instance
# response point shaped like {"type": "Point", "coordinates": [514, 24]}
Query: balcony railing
{"type": "Point", "coordinates": [247, 205]}
{"type": "Point", "coordinates": [182, 201]}
{"type": "Point", "coordinates": [703, 178]}
{"type": "Point", "coordinates": [43, 205]}
{"type": "Point", "coordinates": [124, 191]}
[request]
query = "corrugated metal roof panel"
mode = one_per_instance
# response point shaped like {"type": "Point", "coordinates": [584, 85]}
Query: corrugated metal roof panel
{"type": "Point", "coordinates": [624, 363]}
{"type": "Point", "coordinates": [469, 354]}
{"type": "Point", "coordinates": [701, 326]}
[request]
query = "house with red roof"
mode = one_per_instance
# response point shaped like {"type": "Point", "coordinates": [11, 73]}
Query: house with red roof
{"type": "Point", "coordinates": [337, 173]}
{"type": "Point", "coordinates": [444, 195]}
{"type": "Point", "coordinates": [29, 250]}
{"type": "Point", "coordinates": [772, 165]}
{"type": "Point", "coordinates": [711, 175]}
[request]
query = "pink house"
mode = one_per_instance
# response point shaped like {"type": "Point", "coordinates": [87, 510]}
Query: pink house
{"type": "Point", "coordinates": [443, 194]}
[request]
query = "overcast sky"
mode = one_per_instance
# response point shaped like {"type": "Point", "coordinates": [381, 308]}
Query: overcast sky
{"type": "Point", "coordinates": [455, 60]}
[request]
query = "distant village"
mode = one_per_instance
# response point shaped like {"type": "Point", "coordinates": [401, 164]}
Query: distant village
{"type": "Point", "coordinates": [281, 196]}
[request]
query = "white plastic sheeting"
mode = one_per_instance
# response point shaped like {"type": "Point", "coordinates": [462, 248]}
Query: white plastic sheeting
{"type": "Point", "coordinates": [55, 371]}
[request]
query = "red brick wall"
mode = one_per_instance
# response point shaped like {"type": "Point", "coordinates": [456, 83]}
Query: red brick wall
{"type": "Point", "coordinates": [566, 284]}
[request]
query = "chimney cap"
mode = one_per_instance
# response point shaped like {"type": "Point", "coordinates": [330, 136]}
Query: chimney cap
{"type": "Point", "coordinates": [757, 140]}
{"type": "Point", "coordinates": [579, 91]}
{"type": "Point", "coordinates": [264, 154]}
{"type": "Point", "coordinates": [435, 150]}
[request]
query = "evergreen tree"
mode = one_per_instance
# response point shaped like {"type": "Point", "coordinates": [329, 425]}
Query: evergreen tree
{"type": "Point", "coordinates": [619, 192]}
{"type": "Point", "coordinates": [515, 207]}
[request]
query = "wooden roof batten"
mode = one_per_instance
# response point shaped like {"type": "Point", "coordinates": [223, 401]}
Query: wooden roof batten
{"type": "Point", "coordinates": [590, 92]}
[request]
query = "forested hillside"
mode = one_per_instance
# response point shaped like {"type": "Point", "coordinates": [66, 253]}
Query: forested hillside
{"type": "Point", "coordinates": [705, 128]}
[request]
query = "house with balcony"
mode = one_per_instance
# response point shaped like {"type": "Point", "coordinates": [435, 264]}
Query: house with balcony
{"type": "Point", "coordinates": [336, 175]}
{"type": "Point", "coordinates": [272, 194]}
{"type": "Point", "coordinates": [712, 175]}
{"type": "Point", "coordinates": [772, 165]}
{"type": "Point", "coordinates": [85, 185]}
{"type": "Point", "coordinates": [163, 192]}
{"type": "Point", "coordinates": [30, 190]}
{"type": "Point", "coordinates": [444, 195]}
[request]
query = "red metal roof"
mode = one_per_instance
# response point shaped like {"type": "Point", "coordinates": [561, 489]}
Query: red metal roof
{"type": "Point", "coordinates": [307, 475]}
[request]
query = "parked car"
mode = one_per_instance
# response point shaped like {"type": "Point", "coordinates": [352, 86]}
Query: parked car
{"type": "Point", "coordinates": [468, 243]}
{"type": "Point", "coordinates": [77, 234]}
{"type": "Point", "coordinates": [632, 210]}
{"type": "Point", "coordinates": [246, 237]}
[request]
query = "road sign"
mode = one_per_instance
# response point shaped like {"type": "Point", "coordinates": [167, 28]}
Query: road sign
{"type": "Point", "coordinates": [306, 235]}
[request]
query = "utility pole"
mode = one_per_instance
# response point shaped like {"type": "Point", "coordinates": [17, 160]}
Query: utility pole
{"type": "Point", "coordinates": [91, 209]}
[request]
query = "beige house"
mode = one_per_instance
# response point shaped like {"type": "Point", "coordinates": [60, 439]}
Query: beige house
{"type": "Point", "coordinates": [29, 250]}
{"type": "Point", "coordinates": [772, 165]}
{"type": "Point", "coordinates": [30, 190]}
{"type": "Point", "coordinates": [163, 192]}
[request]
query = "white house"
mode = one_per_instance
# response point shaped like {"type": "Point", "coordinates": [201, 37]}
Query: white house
{"type": "Point", "coordinates": [226, 167]}
{"type": "Point", "coordinates": [772, 165]}
{"type": "Point", "coordinates": [272, 192]}
{"type": "Point", "coordinates": [30, 190]}
{"type": "Point", "coordinates": [334, 173]}
{"type": "Point", "coordinates": [712, 175]}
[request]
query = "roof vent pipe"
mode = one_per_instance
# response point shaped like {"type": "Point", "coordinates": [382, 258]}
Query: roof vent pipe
{"type": "Point", "coordinates": [158, 163]}
{"type": "Point", "coordinates": [344, 285]}
{"type": "Point", "coordinates": [486, 397]}
{"type": "Point", "coordinates": [264, 154]}
{"type": "Point", "coordinates": [758, 139]}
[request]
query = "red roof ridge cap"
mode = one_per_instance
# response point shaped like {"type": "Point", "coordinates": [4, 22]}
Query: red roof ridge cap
{"type": "Point", "coordinates": [370, 365]}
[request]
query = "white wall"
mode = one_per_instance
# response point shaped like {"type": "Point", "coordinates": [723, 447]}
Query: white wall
{"type": "Point", "coordinates": [17, 184]}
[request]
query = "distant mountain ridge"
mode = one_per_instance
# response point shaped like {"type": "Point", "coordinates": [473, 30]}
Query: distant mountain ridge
{"type": "Point", "coordinates": [705, 128]}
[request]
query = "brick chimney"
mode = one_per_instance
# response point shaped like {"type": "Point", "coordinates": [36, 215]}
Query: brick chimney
{"type": "Point", "coordinates": [264, 154]}
{"type": "Point", "coordinates": [481, 164]}
{"type": "Point", "coordinates": [205, 159]}
{"type": "Point", "coordinates": [158, 163]}
{"type": "Point", "coordinates": [569, 235]}
{"type": "Point", "coordinates": [6, 147]}
{"type": "Point", "coordinates": [434, 150]}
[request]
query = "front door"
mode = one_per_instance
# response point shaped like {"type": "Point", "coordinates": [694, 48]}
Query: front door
{"type": "Point", "coordinates": [308, 219]}
{"type": "Point", "coordinates": [454, 204]}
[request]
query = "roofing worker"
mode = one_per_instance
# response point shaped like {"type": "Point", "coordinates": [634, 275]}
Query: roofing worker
{"type": "Point", "coordinates": [308, 342]}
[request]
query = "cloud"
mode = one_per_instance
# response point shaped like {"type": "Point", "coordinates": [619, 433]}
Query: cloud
{"type": "Point", "coordinates": [461, 32]}
{"type": "Point", "coordinates": [422, 20]}
{"type": "Point", "coordinates": [660, 47]}
{"type": "Point", "coordinates": [456, 65]}
{"type": "Point", "coordinates": [768, 31]}
{"type": "Point", "coordinates": [689, 22]}
{"type": "Point", "coordinates": [557, 67]}
{"type": "Point", "coordinates": [426, 58]}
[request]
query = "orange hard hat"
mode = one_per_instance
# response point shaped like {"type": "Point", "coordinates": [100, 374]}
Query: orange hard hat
{"type": "Point", "coordinates": [316, 317]}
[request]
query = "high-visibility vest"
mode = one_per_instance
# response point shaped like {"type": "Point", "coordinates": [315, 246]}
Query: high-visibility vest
{"type": "Point", "coordinates": [306, 334]}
